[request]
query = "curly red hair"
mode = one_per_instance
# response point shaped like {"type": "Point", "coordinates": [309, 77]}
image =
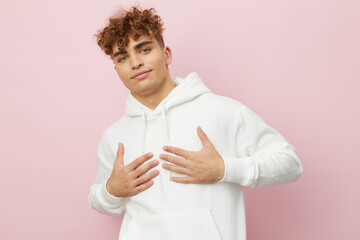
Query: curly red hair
{"type": "Point", "coordinates": [123, 24]}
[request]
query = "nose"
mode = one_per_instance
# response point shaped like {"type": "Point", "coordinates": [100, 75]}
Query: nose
{"type": "Point", "coordinates": [136, 62]}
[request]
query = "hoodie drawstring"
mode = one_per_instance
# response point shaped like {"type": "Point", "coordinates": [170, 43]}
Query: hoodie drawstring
{"type": "Point", "coordinates": [144, 116]}
{"type": "Point", "coordinates": [144, 130]}
{"type": "Point", "coordinates": [164, 122]}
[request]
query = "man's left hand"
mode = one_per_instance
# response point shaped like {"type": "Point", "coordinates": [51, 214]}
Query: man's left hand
{"type": "Point", "coordinates": [204, 166]}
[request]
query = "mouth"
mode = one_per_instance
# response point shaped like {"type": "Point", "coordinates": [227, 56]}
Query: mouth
{"type": "Point", "coordinates": [141, 75]}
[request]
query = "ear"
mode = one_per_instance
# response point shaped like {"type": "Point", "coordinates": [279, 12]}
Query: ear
{"type": "Point", "coordinates": [168, 55]}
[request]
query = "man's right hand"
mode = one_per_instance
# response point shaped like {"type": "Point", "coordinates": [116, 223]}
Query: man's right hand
{"type": "Point", "coordinates": [126, 181]}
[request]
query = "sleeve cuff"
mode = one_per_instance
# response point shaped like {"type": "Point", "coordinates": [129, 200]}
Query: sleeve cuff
{"type": "Point", "coordinates": [106, 196]}
{"type": "Point", "coordinates": [239, 170]}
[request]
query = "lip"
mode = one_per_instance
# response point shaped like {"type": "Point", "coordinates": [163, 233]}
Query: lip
{"type": "Point", "coordinates": [141, 75]}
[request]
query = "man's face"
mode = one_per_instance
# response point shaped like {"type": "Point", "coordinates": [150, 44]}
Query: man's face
{"type": "Point", "coordinates": [144, 54]}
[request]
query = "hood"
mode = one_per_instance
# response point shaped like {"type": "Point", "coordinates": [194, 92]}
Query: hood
{"type": "Point", "coordinates": [186, 89]}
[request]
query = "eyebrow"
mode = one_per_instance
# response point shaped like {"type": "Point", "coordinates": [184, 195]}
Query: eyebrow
{"type": "Point", "coordinates": [137, 46]}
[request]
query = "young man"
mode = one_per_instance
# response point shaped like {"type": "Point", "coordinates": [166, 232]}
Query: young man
{"type": "Point", "coordinates": [215, 146]}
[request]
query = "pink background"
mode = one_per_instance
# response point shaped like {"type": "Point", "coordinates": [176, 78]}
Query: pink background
{"type": "Point", "coordinates": [295, 63]}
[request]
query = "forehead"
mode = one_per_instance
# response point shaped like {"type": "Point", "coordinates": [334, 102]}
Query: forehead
{"type": "Point", "coordinates": [133, 42]}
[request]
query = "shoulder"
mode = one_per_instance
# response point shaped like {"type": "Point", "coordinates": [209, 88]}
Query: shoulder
{"type": "Point", "coordinates": [221, 102]}
{"type": "Point", "coordinates": [228, 107]}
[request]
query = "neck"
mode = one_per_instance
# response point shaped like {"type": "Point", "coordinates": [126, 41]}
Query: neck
{"type": "Point", "coordinates": [153, 99]}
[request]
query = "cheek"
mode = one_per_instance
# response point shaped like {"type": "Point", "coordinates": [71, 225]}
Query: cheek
{"type": "Point", "coordinates": [120, 71]}
{"type": "Point", "coordinates": [157, 58]}
{"type": "Point", "coordinates": [160, 63]}
{"type": "Point", "coordinates": [122, 76]}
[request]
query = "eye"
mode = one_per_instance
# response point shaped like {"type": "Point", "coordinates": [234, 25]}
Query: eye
{"type": "Point", "coordinates": [120, 59]}
{"type": "Point", "coordinates": [146, 49]}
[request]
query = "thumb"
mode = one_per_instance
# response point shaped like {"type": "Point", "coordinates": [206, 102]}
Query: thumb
{"type": "Point", "coordinates": [120, 155]}
{"type": "Point", "coordinates": [203, 138]}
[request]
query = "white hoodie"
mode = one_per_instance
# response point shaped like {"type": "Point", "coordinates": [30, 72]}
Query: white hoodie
{"type": "Point", "coordinates": [254, 154]}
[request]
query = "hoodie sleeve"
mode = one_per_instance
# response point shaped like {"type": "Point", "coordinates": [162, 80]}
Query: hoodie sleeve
{"type": "Point", "coordinates": [268, 159]}
{"type": "Point", "coordinates": [99, 198]}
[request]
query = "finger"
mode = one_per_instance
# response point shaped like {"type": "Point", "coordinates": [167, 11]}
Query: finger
{"type": "Point", "coordinates": [183, 179]}
{"type": "Point", "coordinates": [143, 187]}
{"type": "Point", "coordinates": [175, 160]}
{"type": "Point", "coordinates": [176, 169]}
{"type": "Point", "coordinates": [178, 151]}
{"type": "Point", "coordinates": [140, 160]}
{"type": "Point", "coordinates": [203, 137]}
{"type": "Point", "coordinates": [119, 160]}
{"type": "Point", "coordinates": [146, 177]}
{"type": "Point", "coordinates": [144, 168]}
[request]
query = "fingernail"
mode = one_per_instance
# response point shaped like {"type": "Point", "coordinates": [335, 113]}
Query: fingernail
{"type": "Point", "coordinates": [149, 155]}
{"type": "Point", "coordinates": [164, 147]}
